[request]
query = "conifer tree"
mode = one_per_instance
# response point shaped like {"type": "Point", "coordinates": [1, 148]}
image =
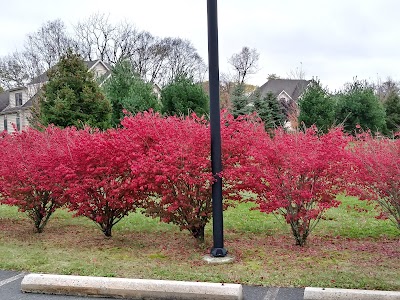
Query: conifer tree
{"type": "Point", "coordinates": [357, 105]}
{"type": "Point", "coordinates": [269, 110]}
{"type": "Point", "coordinates": [183, 96]}
{"type": "Point", "coordinates": [239, 101]}
{"type": "Point", "coordinates": [317, 108]}
{"type": "Point", "coordinates": [71, 97]}
{"type": "Point", "coordinates": [127, 91]}
{"type": "Point", "coordinates": [392, 108]}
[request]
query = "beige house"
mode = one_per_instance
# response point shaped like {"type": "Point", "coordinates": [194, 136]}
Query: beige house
{"type": "Point", "coordinates": [16, 103]}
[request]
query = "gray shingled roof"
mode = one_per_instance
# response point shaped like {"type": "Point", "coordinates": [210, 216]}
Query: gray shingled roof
{"type": "Point", "coordinates": [4, 100]}
{"type": "Point", "coordinates": [10, 110]}
{"type": "Point", "coordinates": [14, 109]}
{"type": "Point", "coordinates": [39, 79]}
{"type": "Point", "coordinates": [293, 87]}
{"type": "Point", "coordinates": [91, 63]}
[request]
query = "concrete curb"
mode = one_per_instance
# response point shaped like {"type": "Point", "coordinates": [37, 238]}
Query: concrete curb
{"type": "Point", "coordinates": [313, 293]}
{"type": "Point", "coordinates": [128, 288]}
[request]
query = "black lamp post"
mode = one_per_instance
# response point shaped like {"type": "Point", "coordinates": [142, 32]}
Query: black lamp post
{"type": "Point", "coordinates": [218, 249]}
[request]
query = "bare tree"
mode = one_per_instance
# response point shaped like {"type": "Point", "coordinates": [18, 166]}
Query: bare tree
{"type": "Point", "coordinates": [297, 73]}
{"type": "Point", "coordinates": [227, 83]}
{"type": "Point", "coordinates": [143, 54]}
{"type": "Point", "coordinates": [245, 63]}
{"type": "Point", "coordinates": [125, 39]}
{"type": "Point", "coordinates": [95, 37]}
{"type": "Point", "coordinates": [49, 43]}
{"type": "Point", "coordinates": [182, 60]}
{"type": "Point", "coordinates": [157, 60]}
{"type": "Point", "coordinates": [158, 52]}
{"type": "Point", "coordinates": [12, 74]}
{"type": "Point", "coordinates": [98, 38]}
{"type": "Point", "coordinates": [42, 50]}
{"type": "Point", "coordinates": [384, 89]}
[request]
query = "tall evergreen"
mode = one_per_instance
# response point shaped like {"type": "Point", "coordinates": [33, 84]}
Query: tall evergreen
{"type": "Point", "coordinates": [269, 110]}
{"type": "Point", "coordinates": [127, 91]}
{"type": "Point", "coordinates": [183, 96]}
{"type": "Point", "coordinates": [358, 105]}
{"type": "Point", "coordinates": [392, 108]}
{"type": "Point", "coordinates": [317, 107]}
{"type": "Point", "coordinates": [239, 101]}
{"type": "Point", "coordinates": [71, 97]}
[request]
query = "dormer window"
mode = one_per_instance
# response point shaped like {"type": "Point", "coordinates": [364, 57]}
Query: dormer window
{"type": "Point", "coordinates": [18, 99]}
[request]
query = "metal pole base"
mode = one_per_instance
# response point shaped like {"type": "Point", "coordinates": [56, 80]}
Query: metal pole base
{"type": "Point", "coordinates": [219, 252]}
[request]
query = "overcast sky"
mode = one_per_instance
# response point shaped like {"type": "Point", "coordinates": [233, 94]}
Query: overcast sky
{"type": "Point", "coordinates": [332, 40]}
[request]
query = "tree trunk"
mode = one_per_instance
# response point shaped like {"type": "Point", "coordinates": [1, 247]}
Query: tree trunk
{"type": "Point", "coordinates": [198, 233]}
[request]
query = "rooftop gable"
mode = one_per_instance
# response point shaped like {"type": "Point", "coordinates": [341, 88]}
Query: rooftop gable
{"type": "Point", "coordinates": [4, 100]}
{"type": "Point", "coordinates": [292, 87]}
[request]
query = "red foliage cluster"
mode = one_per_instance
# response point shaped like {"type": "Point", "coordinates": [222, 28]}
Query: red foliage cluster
{"type": "Point", "coordinates": [103, 188]}
{"type": "Point", "coordinates": [176, 169]}
{"type": "Point", "coordinates": [162, 165]}
{"type": "Point", "coordinates": [33, 171]}
{"type": "Point", "coordinates": [376, 173]}
{"type": "Point", "coordinates": [298, 176]}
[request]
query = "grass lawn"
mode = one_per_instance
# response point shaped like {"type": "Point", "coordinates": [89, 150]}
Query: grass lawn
{"type": "Point", "coordinates": [347, 250]}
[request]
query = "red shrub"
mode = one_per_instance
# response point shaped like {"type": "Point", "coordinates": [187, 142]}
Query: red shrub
{"type": "Point", "coordinates": [103, 188]}
{"type": "Point", "coordinates": [33, 171]}
{"type": "Point", "coordinates": [377, 174]}
{"type": "Point", "coordinates": [298, 176]}
{"type": "Point", "coordinates": [177, 168]}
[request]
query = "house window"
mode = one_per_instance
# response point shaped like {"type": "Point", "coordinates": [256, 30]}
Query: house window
{"type": "Point", "coordinates": [18, 99]}
{"type": "Point", "coordinates": [5, 123]}
{"type": "Point", "coordinates": [18, 121]}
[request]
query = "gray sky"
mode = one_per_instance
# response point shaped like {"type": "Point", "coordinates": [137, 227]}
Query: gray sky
{"type": "Point", "coordinates": [332, 40]}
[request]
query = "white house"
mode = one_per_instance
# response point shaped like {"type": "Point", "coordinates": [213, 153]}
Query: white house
{"type": "Point", "coordinates": [16, 103]}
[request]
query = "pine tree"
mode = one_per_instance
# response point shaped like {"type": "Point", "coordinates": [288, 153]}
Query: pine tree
{"type": "Point", "coordinates": [127, 91]}
{"type": "Point", "coordinates": [358, 105]}
{"type": "Point", "coordinates": [317, 108]}
{"type": "Point", "coordinates": [392, 108]}
{"type": "Point", "coordinates": [184, 96]}
{"type": "Point", "coordinates": [269, 110]}
{"type": "Point", "coordinates": [239, 102]}
{"type": "Point", "coordinates": [72, 97]}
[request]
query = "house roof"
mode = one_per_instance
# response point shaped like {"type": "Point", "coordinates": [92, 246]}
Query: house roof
{"type": "Point", "coordinates": [91, 63]}
{"type": "Point", "coordinates": [4, 100]}
{"type": "Point", "coordinates": [293, 87]}
{"type": "Point", "coordinates": [27, 105]}
{"type": "Point", "coordinates": [39, 79]}
{"type": "Point", "coordinates": [11, 110]}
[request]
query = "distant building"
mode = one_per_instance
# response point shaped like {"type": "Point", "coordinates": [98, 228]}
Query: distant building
{"type": "Point", "coordinates": [287, 92]}
{"type": "Point", "coordinates": [284, 89]}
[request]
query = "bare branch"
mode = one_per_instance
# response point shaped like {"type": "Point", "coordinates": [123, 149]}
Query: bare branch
{"type": "Point", "coordinates": [245, 63]}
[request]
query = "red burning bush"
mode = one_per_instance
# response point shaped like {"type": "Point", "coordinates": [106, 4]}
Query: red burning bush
{"type": "Point", "coordinates": [33, 171]}
{"type": "Point", "coordinates": [377, 173]}
{"type": "Point", "coordinates": [298, 176]}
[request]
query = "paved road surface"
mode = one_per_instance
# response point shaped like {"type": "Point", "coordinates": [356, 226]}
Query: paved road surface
{"type": "Point", "coordinates": [10, 289]}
